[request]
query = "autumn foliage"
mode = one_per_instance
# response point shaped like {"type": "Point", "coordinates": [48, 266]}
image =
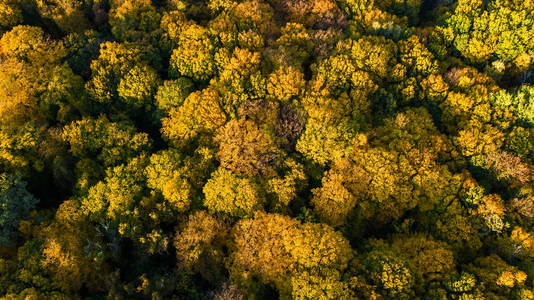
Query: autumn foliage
{"type": "Point", "coordinates": [267, 149]}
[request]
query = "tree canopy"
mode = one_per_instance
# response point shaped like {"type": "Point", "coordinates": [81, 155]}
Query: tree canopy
{"type": "Point", "coordinates": [267, 149]}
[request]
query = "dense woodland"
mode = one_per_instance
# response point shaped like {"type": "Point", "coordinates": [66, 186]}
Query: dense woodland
{"type": "Point", "coordinates": [267, 149]}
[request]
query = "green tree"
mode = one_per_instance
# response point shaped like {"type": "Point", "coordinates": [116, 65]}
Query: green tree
{"type": "Point", "coordinates": [390, 272]}
{"type": "Point", "coordinates": [82, 48]}
{"type": "Point", "coordinates": [394, 176]}
{"type": "Point", "coordinates": [499, 29]}
{"type": "Point", "coordinates": [180, 178]}
{"type": "Point", "coordinates": [173, 93]}
{"type": "Point", "coordinates": [295, 45]}
{"type": "Point", "coordinates": [69, 16]}
{"type": "Point", "coordinates": [114, 201]}
{"type": "Point", "coordinates": [133, 20]}
{"type": "Point", "coordinates": [113, 63]}
{"type": "Point", "coordinates": [138, 87]}
{"type": "Point", "coordinates": [332, 126]}
{"type": "Point", "coordinates": [228, 193]}
{"type": "Point", "coordinates": [107, 142]}
{"type": "Point", "coordinates": [19, 150]}
{"type": "Point", "coordinates": [520, 101]}
{"type": "Point", "coordinates": [16, 203]}
{"type": "Point", "coordinates": [194, 55]}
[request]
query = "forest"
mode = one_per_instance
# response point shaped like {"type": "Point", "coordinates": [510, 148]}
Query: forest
{"type": "Point", "coordinates": [267, 149]}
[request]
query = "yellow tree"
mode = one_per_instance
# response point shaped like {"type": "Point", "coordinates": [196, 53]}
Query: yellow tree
{"type": "Point", "coordinates": [391, 173]}
{"type": "Point", "coordinates": [274, 248]}
{"type": "Point", "coordinates": [286, 84]}
{"type": "Point", "coordinates": [246, 150]}
{"type": "Point", "coordinates": [64, 250]}
{"type": "Point", "coordinates": [202, 112]}
{"type": "Point", "coordinates": [32, 79]}
{"type": "Point", "coordinates": [199, 245]}
{"type": "Point", "coordinates": [10, 14]}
